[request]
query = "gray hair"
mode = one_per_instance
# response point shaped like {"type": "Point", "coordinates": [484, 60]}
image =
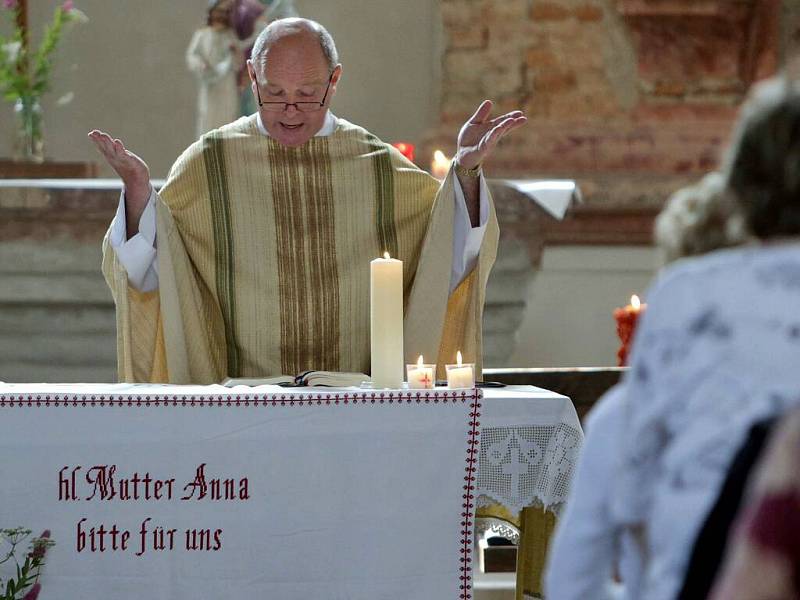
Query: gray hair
{"type": "Point", "coordinates": [763, 164]}
{"type": "Point", "coordinates": [699, 218]}
{"type": "Point", "coordinates": [282, 27]}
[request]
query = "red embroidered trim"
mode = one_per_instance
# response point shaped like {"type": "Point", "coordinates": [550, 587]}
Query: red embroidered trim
{"type": "Point", "coordinates": [289, 399]}
{"type": "Point", "coordinates": [467, 513]}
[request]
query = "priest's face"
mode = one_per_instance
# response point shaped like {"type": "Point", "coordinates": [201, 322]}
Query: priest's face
{"type": "Point", "coordinates": [297, 78]}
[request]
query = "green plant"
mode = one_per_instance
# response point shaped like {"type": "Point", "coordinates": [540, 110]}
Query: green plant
{"type": "Point", "coordinates": [26, 580]}
{"type": "Point", "coordinates": [25, 73]}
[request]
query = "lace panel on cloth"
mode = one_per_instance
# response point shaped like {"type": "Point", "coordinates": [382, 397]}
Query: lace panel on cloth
{"type": "Point", "coordinates": [530, 465]}
{"type": "Point", "coordinates": [496, 526]}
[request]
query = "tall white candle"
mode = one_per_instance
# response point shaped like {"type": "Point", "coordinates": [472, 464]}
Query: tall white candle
{"type": "Point", "coordinates": [386, 322]}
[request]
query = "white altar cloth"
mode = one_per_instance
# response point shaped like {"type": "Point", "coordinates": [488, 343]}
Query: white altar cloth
{"type": "Point", "coordinates": [351, 494]}
{"type": "Point", "coordinates": [347, 498]}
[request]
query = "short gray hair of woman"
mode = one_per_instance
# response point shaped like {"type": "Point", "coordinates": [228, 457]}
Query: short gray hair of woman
{"type": "Point", "coordinates": [282, 27]}
{"type": "Point", "coordinates": [699, 218]}
{"type": "Point", "coordinates": [763, 165]}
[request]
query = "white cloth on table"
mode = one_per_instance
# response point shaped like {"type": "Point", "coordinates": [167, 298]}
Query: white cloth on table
{"type": "Point", "coordinates": [588, 542]}
{"type": "Point", "coordinates": [214, 57]}
{"type": "Point", "coordinates": [346, 498]}
{"type": "Point", "coordinates": [553, 195]}
{"type": "Point", "coordinates": [138, 254]}
{"type": "Point", "coordinates": [717, 349]}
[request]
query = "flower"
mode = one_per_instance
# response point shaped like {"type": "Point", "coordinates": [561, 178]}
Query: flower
{"type": "Point", "coordinates": [27, 577]}
{"type": "Point", "coordinates": [76, 16]}
{"type": "Point", "coordinates": [9, 4]}
{"type": "Point", "coordinates": [11, 50]}
{"type": "Point", "coordinates": [40, 545]}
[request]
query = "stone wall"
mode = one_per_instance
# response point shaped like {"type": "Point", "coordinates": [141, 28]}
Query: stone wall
{"type": "Point", "coordinates": [56, 313]}
{"type": "Point", "coordinates": [610, 86]}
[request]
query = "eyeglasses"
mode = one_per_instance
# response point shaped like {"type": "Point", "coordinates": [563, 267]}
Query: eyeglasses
{"type": "Point", "coordinates": [300, 106]}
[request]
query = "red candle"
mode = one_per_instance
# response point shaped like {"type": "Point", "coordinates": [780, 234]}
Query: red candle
{"type": "Point", "coordinates": [627, 318]}
{"type": "Point", "coordinates": [406, 149]}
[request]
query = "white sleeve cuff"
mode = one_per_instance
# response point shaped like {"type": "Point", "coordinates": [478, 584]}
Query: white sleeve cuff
{"type": "Point", "coordinates": [467, 239]}
{"type": "Point", "coordinates": [138, 254]}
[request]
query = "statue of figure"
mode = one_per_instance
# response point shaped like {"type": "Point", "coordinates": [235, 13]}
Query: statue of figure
{"type": "Point", "coordinates": [248, 19]}
{"type": "Point", "coordinates": [215, 57]}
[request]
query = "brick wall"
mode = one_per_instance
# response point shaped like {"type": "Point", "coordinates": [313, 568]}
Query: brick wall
{"type": "Point", "coordinates": [623, 87]}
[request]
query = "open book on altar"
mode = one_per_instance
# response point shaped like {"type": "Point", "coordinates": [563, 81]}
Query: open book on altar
{"type": "Point", "coordinates": [309, 378]}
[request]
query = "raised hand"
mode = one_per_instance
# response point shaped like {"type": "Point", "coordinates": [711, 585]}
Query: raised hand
{"type": "Point", "coordinates": [127, 165]}
{"type": "Point", "coordinates": [480, 134]}
{"type": "Point", "coordinates": [133, 171]}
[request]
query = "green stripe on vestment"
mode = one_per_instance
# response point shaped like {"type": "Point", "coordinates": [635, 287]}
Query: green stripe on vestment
{"type": "Point", "coordinates": [384, 196]}
{"type": "Point", "coordinates": [219, 195]}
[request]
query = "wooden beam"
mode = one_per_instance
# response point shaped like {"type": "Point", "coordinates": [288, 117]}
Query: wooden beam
{"type": "Point", "coordinates": [22, 21]}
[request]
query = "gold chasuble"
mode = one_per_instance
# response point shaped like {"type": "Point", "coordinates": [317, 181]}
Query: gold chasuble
{"type": "Point", "coordinates": [263, 259]}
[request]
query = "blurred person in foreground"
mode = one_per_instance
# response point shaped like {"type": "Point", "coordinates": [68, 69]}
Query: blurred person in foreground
{"type": "Point", "coordinates": [590, 546]}
{"type": "Point", "coordinates": [717, 350]}
{"type": "Point", "coordinates": [763, 556]}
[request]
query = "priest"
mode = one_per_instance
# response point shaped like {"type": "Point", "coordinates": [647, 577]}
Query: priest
{"type": "Point", "coordinates": [253, 259]}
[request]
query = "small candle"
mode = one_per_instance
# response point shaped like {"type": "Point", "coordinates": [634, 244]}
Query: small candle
{"type": "Point", "coordinates": [440, 165]}
{"type": "Point", "coordinates": [626, 318]}
{"type": "Point", "coordinates": [460, 375]}
{"type": "Point", "coordinates": [420, 375]}
{"type": "Point", "coordinates": [386, 322]}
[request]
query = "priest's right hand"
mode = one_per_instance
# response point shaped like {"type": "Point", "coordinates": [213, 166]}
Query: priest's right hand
{"type": "Point", "coordinates": [132, 170]}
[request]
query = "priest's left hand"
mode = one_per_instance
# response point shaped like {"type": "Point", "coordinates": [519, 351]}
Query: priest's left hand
{"type": "Point", "coordinates": [480, 134]}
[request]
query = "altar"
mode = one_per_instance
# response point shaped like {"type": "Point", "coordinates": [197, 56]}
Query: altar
{"type": "Point", "coordinates": [273, 492]}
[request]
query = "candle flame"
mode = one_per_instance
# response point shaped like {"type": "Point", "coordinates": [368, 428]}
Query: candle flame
{"type": "Point", "coordinates": [386, 255]}
{"type": "Point", "coordinates": [459, 360]}
{"type": "Point", "coordinates": [440, 164]}
{"type": "Point", "coordinates": [635, 302]}
{"type": "Point", "coordinates": [420, 362]}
